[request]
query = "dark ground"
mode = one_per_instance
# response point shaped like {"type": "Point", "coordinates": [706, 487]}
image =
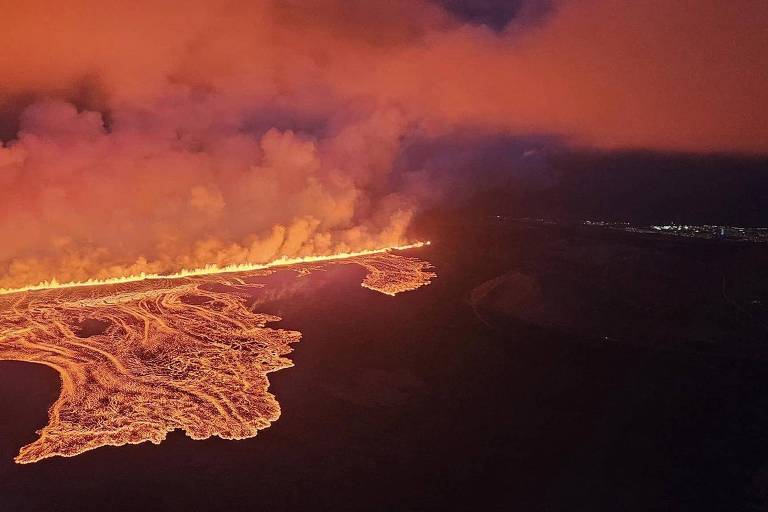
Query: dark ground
{"type": "Point", "coordinates": [620, 372]}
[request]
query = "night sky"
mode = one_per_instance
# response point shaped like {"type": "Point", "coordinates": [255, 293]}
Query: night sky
{"type": "Point", "coordinates": [153, 136]}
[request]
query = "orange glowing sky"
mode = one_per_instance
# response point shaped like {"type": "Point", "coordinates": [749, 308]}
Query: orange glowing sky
{"type": "Point", "coordinates": [151, 136]}
{"type": "Point", "coordinates": [655, 73]}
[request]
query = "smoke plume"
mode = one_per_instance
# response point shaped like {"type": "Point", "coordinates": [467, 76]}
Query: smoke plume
{"type": "Point", "coordinates": [149, 136]}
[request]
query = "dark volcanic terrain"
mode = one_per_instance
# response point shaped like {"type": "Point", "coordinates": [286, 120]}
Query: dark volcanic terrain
{"type": "Point", "coordinates": [546, 368]}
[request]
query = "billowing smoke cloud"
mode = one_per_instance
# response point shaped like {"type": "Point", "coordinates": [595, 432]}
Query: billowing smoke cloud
{"type": "Point", "coordinates": [161, 190]}
{"type": "Point", "coordinates": [154, 135]}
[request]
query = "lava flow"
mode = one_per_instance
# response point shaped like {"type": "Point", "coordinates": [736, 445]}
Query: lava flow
{"type": "Point", "coordinates": [143, 357]}
{"type": "Point", "coordinates": [208, 270]}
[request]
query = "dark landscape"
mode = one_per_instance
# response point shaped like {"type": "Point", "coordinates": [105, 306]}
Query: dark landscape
{"type": "Point", "coordinates": [599, 370]}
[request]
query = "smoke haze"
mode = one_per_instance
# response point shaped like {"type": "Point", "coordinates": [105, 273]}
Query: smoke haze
{"type": "Point", "coordinates": [151, 136]}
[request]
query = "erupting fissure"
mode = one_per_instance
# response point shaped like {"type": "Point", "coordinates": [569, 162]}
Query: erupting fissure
{"type": "Point", "coordinates": [209, 269]}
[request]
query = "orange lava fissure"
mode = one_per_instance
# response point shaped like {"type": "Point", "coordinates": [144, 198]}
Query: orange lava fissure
{"type": "Point", "coordinates": [165, 354]}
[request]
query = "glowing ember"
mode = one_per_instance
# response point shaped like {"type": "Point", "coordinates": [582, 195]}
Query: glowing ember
{"type": "Point", "coordinates": [143, 357]}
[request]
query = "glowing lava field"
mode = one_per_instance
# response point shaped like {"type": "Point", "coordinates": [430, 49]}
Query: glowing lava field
{"type": "Point", "coordinates": [141, 358]}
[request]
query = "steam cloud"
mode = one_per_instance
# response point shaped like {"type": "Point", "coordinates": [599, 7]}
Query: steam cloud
{"type": "Point", "coordinates": [150, 136]}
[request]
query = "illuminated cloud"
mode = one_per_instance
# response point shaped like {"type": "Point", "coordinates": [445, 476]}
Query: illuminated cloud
{"type": "Point", "coordinates": [146, 136]}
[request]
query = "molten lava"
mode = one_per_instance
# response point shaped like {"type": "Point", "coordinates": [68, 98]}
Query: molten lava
{"type": "Point", "coordinates": [143, 356]}
{"type": "Point", "coordinates": [208, 269]}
